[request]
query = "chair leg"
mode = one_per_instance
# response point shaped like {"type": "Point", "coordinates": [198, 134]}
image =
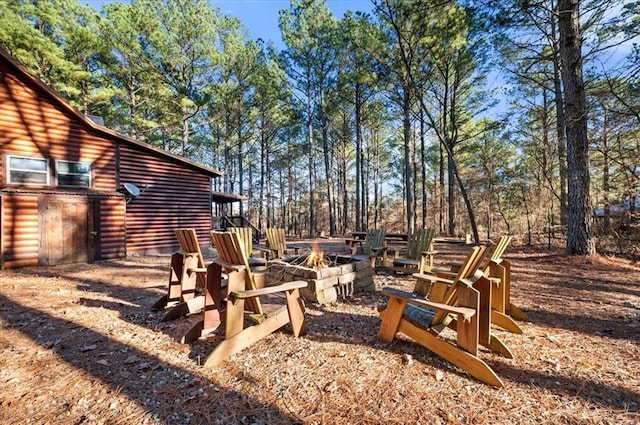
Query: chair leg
{"type": "Point", "coordinates": [511, 309]}
{"type": "Point", "coordinates": [453, 354]}
{"type": "Point", "coordinates": [212, 318]}
{"type": "Point", "coordinates": [161, 303]}
{"type": "Point", "coordinates": [234, 306]}
{"type": "Point", "coordinates": [174, 291]}
{"type": "Point", "coordinates": [496, 345]}
{"type": "Point", "coordinates": [516, 313]}
{"type": "Point", "coordinates": [391, 317]}
{"type": "Point", "coordinates": [488, 316]}
{"type": "Point", "coordinates": [198, 331]}
{"type": "Point", "coordinates": [505, 322]}
{"type": "Point", "coordinates": [471, 331]}
{"type": "Point", "coordinates": [247, 337]}
{"type": "Point", "coordinates": [189, 278]}
{"type": "Point", "coordinates": [192, 306]}
{"type": "Point", "coordinates": [190, 301]}
{"type": "Point", "coordinates": [497, 275]}
{"type": "Point", "coordinates": [295, 310]}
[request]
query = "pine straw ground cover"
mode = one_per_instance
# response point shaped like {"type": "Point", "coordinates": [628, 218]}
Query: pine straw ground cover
{"type": "Point", "coordinates": [79, 345]}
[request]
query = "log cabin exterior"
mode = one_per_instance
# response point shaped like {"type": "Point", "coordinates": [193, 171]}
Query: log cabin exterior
{"type": "Point", "coordinates": [61, 195]}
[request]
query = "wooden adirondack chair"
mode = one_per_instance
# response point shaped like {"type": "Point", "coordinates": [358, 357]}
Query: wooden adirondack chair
{"type": "Point", "coordinates": [496, 250]}
{"type": "Point", "coordinates": [277, 244]}
{"type": "Point", "coordinates": [374, 246]}
{"type": "Point", "coordinates": [503, 309]}
{"type": "Point", "coordinates": [419, 256]}
{"type": "Point", "coordinates": [465, 270]}
{"type": "Point", "coordinates": [246, 296]}
{"type": "Point", "coordinates": [187, 278]}
{"type": "Point", "coordinates": [498, 271]}
{"type": "Point", "coordinates": [423, 321]}
{"type": "Point", "coordinates": [245, 234]}
{"type": "Point", "coordinates": [439, 289]}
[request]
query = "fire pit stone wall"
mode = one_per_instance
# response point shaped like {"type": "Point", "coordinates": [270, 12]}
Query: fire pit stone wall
{"type": "Point", "coordinates": [344, 277]}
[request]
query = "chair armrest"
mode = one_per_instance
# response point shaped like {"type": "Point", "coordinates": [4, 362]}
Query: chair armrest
{"type": "Point", "coordinates": [444, 274]}
{"type": "Point", "coordinates": [432, 278]}
{"type": "Point", "coordinates": [252, 293]}
{"type": "Point", "coordinates": [466, 312]}
{"type": "Point", "coordinates": [398, 293]}
{"type": "Point", "coordinates": [425, 254]}
{"type": "Point", "coordinates": [266, 252]}
{"type": "Point", "coordinates": [198, 270]}
{"type": "Point", "coordinates": [440, 270]}
{"type": "Point", "coordinates": [228, 266]}
{"type": "Point", "coordinates": [379, 249]}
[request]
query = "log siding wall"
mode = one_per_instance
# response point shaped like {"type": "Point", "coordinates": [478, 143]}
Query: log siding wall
{"type": "Point", "coordinates": [31, 126]}
{"type": "Point", "coordinates": [111, 241]}
{"type": "Point", "coordinates": [176, 196]}
{"type": "Point", "coordinates": [35, 122]}
{"type": "Point", "coordinates": [20, 231]}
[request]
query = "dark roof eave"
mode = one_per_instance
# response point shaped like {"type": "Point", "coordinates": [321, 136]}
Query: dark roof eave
{"type": "Point", "coordinates": [38, 190]}
{"type": "Point", "coordinates": [226, 198]}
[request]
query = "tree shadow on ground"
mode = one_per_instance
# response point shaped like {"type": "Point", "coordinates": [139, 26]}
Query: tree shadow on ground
{"type": "Point", "coordinates": [170, 393]}
{"type": "Point", "coordinates": [168, 396]}
{"type": "Point", "coordinates": [618, 327]}
{"type": "Point", "coordinates": [568, 280]}
{"type": "Point", "coordinates": [559, 383]}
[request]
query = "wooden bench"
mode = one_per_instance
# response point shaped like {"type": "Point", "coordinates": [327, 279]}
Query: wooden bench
{"type": "Point", "coordinates": [357, 238]}
{"type": "Point", "coordinates": [392, 240]}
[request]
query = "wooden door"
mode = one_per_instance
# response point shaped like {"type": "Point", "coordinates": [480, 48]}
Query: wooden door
{"type": "Point", "coordinates": [66, 230]}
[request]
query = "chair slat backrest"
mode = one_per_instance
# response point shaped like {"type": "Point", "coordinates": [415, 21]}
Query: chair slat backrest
{"type": "Point", "coordinates": [419, 241]}
{"type": "Point", "coordinates": [246, 238]}
{"type": "Point", "coordinates": [500, 247]}
{"type": "Point", "coordinates": [468, 269]}
{"type": "Point", "coordinates": [188, 241]}
{"type": "Point", "coordinates": [277, 241]}
{"type": "Point", "coordinates": [230, 249]}
{"type": "Point", "coordinates": [375, 238]}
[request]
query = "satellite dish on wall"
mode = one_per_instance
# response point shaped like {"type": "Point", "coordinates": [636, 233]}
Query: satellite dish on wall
{"type": "Point", "coordinates": [132, 189]}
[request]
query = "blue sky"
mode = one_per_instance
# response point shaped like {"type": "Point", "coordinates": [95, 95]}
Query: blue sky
{"type": "Point", "coordinates": [261, 16]}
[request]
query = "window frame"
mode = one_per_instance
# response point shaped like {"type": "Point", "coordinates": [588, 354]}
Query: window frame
{"type": "Point", "coordinates": [46, 171]}
{"type": "Point", "coordinates": [89, 173]}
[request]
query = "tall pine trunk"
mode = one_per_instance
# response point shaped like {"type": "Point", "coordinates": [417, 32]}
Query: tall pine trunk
{"type": "Point", "coordinates": [408, 169]}
{"type": "Point", "coordinates": [560, 129]}
{"type": "Point", "coordinates": [579, 219]}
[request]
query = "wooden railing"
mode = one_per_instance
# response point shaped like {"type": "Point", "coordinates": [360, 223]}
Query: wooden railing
{"type": "Point", "coordinates": [224, 222]}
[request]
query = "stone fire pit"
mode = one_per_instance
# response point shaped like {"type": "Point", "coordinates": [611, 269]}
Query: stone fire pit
{"type": "Point", "coordinates": [343, 276]}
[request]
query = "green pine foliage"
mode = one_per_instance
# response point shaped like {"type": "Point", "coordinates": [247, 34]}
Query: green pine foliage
{"type": "Point", "coordinates": [420, 113]}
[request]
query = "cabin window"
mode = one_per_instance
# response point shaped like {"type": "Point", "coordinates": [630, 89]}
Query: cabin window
{"type": "Point", "coordinates": [25, 170]}
{"type": "Point", "coordinates": [76, 174]}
